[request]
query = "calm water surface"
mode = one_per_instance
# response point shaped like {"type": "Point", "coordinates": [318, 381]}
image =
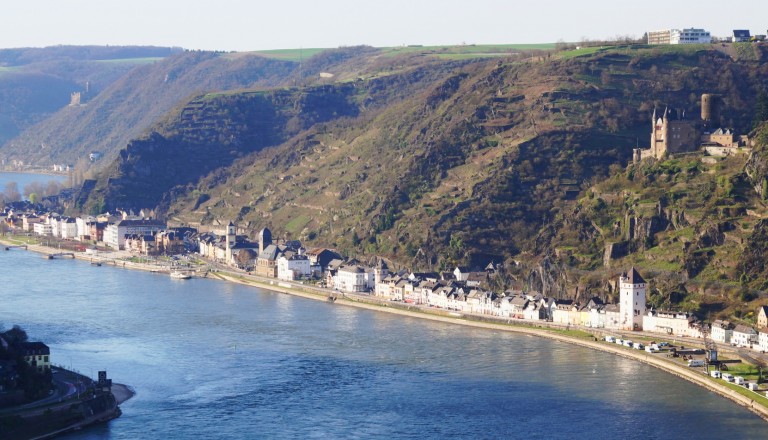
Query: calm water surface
{"type": "Point", "coordinates": [24, 179]}
{"type": "Point", "coordinates": [215, 360]}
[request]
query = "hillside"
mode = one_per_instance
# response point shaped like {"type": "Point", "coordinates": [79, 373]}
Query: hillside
{"type": "Point", "coordinates": [37, 82]}
{"type": "Point", "coordinates": [136, 100]}
{"type": "Point", "coordinates": [434, 162]}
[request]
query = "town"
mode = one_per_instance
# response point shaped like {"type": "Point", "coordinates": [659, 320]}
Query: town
{"type": "Point", "coordinates": [462, 291]}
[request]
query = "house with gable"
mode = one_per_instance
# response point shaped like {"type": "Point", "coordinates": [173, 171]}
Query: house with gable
{"type": "Point", "coordinates": [744, 336]}
{"type": "Point", "coordinates": [461, 273]}
{"type": "Point", "coordinates": [266, 263]}
{"type": "Point", "coordinates": [354, 278]}
{"type": "Point", "coordinates": [534, 311]}
{"type": "Point", "coordinates": [762, 317]}
{"type": "Point", "coordinates": [293, 266]}
{"type": "Point", "coordinates": [721, 331]}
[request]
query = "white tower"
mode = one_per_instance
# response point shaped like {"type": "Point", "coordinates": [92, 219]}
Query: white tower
{"type": "Point", "coordinates": [631, 300]}
{"type": "Point", "coordinates": [231, 236]}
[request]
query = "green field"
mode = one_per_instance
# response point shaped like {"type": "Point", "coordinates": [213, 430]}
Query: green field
{"type": "Point", "coordinates": [467, 50]}
{"type": "Point", "coordinates": [290, 54]}
{"type": "Point", "coordinates": [148, 60]}
{"type": "Point", "coordinates": [450, 52]}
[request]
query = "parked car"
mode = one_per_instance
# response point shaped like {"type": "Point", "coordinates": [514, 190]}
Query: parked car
{"type": "Point", "coordinates": [728, 377]}
{"type": "Point", "coordinates": [716, 374]}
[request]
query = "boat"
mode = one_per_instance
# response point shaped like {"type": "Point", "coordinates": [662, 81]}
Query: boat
{"type": "Point", "coordinates": [180, 275]}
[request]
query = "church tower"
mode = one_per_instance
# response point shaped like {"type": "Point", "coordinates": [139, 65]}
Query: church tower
{"type": "Point", "coordinates": [381, 271]}
{"type": "Point", "coordinates": [265, 239]}
{"type": "Point", "coordinates": [231, 236]}
{"type": "Point", "coordinates": [632, 289]}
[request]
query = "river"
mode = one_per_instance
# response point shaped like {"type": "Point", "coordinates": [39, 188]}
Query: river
{"type": "Point", "coordinates": [209, 359]}
{"type": "Point", "coordinates": [24, 179]}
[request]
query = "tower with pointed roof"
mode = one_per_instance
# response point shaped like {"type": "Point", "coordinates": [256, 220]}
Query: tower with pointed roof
{"type": "Point", "coordinates": [632, 288]}
{"type": "Point", "coordinates": [380, 271]}
{"type": "Point", "coordinates": [231, 235]}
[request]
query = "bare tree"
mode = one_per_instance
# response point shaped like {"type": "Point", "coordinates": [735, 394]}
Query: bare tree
{"type": "Point", "coordinates": [11, 192]}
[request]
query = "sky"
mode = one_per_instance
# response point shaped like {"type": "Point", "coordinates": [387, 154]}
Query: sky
{"type": "Point", "coordinates": [243, 25]}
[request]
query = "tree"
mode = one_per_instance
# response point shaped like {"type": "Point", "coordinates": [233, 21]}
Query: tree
{"type": "Point", "coordinates": [761, 108]}
{"type": "Point", "coordinates": [15, 335]}
{"type": "Point", "coordinates": [11, 192]}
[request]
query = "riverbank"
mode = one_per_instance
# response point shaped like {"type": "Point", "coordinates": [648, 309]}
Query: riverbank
{"type": "Point", "coordinates": [367, 302]}
{"type": "Point", "coordinates": [758, 404]}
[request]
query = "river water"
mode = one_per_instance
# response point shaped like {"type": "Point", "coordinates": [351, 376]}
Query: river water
{"type": "Point", "coordinates": [24, 179]}
{"type": "Point", "coordinates": [209, 359]}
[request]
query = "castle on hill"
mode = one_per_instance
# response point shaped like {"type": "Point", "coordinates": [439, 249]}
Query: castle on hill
{"type": "Point", "coordinates": [673, 133]}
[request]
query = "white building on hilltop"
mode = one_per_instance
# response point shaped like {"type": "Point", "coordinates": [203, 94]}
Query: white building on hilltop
{"type": "Point", "coordinates": [632, 288]}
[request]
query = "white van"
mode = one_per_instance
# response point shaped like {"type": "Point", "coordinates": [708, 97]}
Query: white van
{"type": "Point", "coordinates": [651, 349]}
{"type": "Point", "coordinates": [628, 343]}
{"type": "Point", "coordinates": [752, 386]}
{"type": "Point", "coordinates": [716, 374]}
{"type": "Point", "coordinates": [728, 377]}
{"type": "Point", "coordinates": [638, 346]}
{"type": "Point", "coordinates": [738, 380]}
{"type": "Point", "coordinates": [696, 363]}
{"type": "Point", "coordinates": [610, 339]}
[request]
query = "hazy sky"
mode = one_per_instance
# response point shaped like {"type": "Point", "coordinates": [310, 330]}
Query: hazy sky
{"type": "Point", "coordinates": [254, 24]}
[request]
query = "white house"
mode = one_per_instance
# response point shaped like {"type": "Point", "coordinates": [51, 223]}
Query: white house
{"type": "Point", "coordinates": [353, 279]}
{"type": "Point", "coordinates": [114, 234]}
{"type": "Point", "coordinates": [689, 36]}
{"type": "Point", "coordinates": [293, 267]}
{"type": "Point", "coordinates": [672, 323]}
{"type": "Point", "coordinates": [83, 225]}
{"type": "Point", "coordinates": [744, 336]}
{"type": "Point", "coordinates": [42, 229]}
{"type": "Point", "coordinates": [762, 340]}
{"type": "Point", "coordinates": [722, 331]}
{"type": "Point", "coordinates": [68, 228]}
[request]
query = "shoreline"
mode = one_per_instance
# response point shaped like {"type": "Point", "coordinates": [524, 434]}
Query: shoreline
{"type": "Point", "coordinates": [680, 371]}
{"type": "Point", "coordinates": [663, 364]}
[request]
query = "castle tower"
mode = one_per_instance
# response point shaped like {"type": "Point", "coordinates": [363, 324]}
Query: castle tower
{"type": "Point", "coordinates": [710, 110]}
{"type": "Point", "coordinates": [658, 134]}
{"type": "Point", "coordinates": [265, 239]}
{"type": "Point", "coordinates": [632, 289]}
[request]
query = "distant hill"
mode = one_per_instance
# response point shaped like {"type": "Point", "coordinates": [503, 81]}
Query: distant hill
{"type": "Point", "coordinates": [132, 103]}
{"type": "Point", "coordinates": [36, 82]}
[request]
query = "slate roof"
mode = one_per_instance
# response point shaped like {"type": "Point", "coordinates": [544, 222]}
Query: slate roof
{"type": "Point", "coordinates": [634, 277]}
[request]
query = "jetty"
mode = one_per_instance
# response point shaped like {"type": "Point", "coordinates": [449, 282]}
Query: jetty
{"type": "Point", "coordinates": [18, 246]}
{"type": "Point", "coordinates": [60, 255]}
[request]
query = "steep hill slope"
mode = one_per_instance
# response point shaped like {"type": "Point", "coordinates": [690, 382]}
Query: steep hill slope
{"type": "Point", "coordinates": [36, 82]}
{"type": "Point", "coordinates": [427, 161]}
{"type": "Point", "coordinates": [135, 101]}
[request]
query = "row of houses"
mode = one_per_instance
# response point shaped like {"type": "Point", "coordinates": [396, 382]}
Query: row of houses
{"type": "Point", "coordinates": [699, 36]}
{"type": "Point", "coordinates": [460, 290]}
